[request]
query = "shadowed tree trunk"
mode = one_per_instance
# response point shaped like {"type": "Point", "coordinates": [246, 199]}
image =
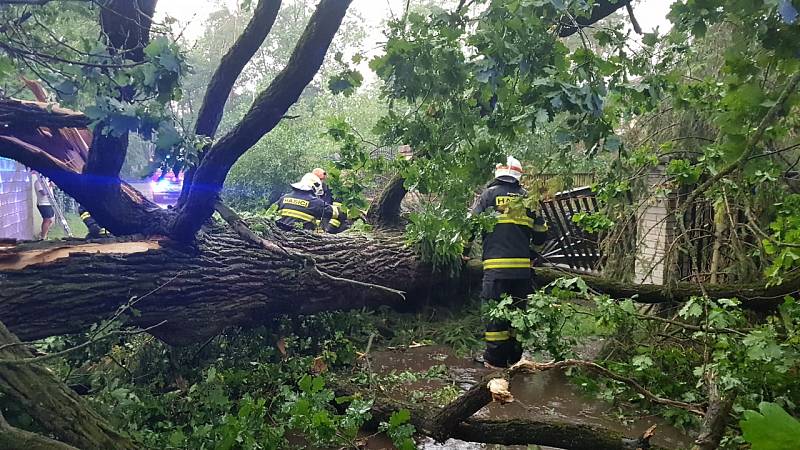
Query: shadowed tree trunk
{"type": "Point", "coordinates": [11, 437]}
{"type": "Point", "coordinates": [55, 407]}
{"type": "Point", "coordinates": [456, 420]}
{"type": "Point", "coordinates": [200, 289]}
{"type": "Point", "coordinates": [385, 211]}
{"type": "Point", "coordinates": [223, 280]}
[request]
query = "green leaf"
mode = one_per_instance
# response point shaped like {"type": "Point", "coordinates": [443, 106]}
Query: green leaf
{"type": "Point", "coordinates": [305, 383]}
{"type": "Point", "coordinates": [642, 362]}
{"type": "Point", "coordinates": [156, 46]}
{"type": "Point", "coordinates": [699, 29]}
{"type": "Point", "coordinates": [771, 429]}
{"type": "Point", "coordinates": [177, 438]}
{"type": "Point", "coordinates": [170, 62]}
{"type": "Point", "coordinates": [399, 417]}
{"type": "Point", "coordinates": [317, 384]}
{"type": "Point", "coordinates": [691, 309]}
{"type": "Point", "coordinates": [345, 82]}
{"type": "Point", "coordinates": [168, 136]}
{"type": "Point", "coordinates": [650, 39]}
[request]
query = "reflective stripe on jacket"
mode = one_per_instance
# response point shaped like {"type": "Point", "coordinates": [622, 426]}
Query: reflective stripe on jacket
{"type": "Point", "coordinates": [507, 248]}
{"type": "Point", "coordinates": [338, 221]}
{"type": "Point", "coordinates": [301, 209]}
{"type": "Point", "coordinates": [95, 230]}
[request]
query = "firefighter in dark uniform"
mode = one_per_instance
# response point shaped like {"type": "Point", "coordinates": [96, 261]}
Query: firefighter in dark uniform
{"type": "Point", "coordinates": [507, 255]}
{"type": "Point", "coordinates": [327, 195]}
{"type": "Point", "coordinates": [95, 230]}
{"type": "Point", "coordinates": [303, 208]}
{"type": "Point", "coordinates": [338, 221]}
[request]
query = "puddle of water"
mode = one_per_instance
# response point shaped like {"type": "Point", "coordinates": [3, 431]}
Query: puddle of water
{"type": "Point", "coordinates": [547, 396]}
{"type": "Point", "coordinates": [382, 442]}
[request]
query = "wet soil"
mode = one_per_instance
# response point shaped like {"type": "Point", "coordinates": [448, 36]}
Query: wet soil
{"type": "Point", "coordinates": [548, 396]}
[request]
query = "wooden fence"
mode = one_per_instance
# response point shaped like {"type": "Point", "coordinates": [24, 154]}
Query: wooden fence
{"type": "Point", "coordinates": [569, 245]}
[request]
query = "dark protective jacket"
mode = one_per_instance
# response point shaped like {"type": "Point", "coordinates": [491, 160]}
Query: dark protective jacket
{"type": "Point", "coordinates": [508, 247]}
{"type": "Point", "coordinates": [95, 230]}
{"type": "Point", "coordinates": [327, 195]}
{"type": "Point", "coordinates": [302, 209]}
{"type": "Point", "coordinates": [338, 221]}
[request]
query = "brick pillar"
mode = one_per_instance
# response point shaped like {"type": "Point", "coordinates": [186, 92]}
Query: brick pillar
{"type": "Point", "coordinates": [655, 231]}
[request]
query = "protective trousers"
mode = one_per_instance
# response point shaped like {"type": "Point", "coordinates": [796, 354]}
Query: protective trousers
{"type": "Point", "coordinates": [502, 349]}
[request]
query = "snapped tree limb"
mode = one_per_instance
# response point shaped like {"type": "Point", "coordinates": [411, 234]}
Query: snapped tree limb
{"type": "Point", "coordinates": [265, 113]}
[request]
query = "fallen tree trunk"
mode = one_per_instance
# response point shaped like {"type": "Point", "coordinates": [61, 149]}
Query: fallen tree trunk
{"type": "Point", "coordinates": [456, 420]}
{"type": "Point", "coordinates": [385, 210]}
{"type": "Point", "coordinates": [222, 280]}
{"type": "Point", "coordinates": [753, 295]}
{"type": "Point", "coordinates": [199, 289]}
{"type": "Point", "coordinates": [11, 437]}
{"type": "Point", "coordinates": [55, 407]}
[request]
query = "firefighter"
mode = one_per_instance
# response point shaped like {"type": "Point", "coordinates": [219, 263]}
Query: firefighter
{"type": "Point", "coordinates": [338, 221]}
{"type": "Point", "coordinates": [327, 195]}
{"type": "Point", "coordinates": [507, 254]}
{"type": "Point", "coordinates": [95, 230]}
{"type": "Point", "coordinates": [303, 208]}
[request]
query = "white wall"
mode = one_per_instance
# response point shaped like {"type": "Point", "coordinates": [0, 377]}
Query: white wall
{"type": "Point", "coordinates": [16, 201]}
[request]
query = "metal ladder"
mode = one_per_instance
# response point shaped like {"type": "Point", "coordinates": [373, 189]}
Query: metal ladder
{"type": "Point", "coordinates": [57, 208]}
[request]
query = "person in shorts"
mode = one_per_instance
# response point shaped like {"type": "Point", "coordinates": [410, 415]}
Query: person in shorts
{"type": "Point", "coordinates": [43, 203]}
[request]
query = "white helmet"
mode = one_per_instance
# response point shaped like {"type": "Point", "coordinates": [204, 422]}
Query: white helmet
{"type": "Point", "coordinates": [309, 182]}
{"type": "Point", "coordinates": [512, 169]}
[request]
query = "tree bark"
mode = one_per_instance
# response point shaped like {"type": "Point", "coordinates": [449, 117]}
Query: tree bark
{"type": "Point", "coordinates": [231, 66]}
{"type": "Point", "coordinates": [562, 435]}
{"type": "Point", "coordinates": [753, 296]}
{"type": "Point", "coordinates": [716, 419]}
{"type": "Point", "coordinates": [228, 70]}
{"type": "Point", "coordinates": [16, 115]}
{"type": "Point", "coordinates": [126, 26]}
{"type": "Point", "coordinates": [12, 438]}
{"type": "Point", "coordinates": [55, 407]}
{"type": "Point", "coordinates": [266, 112]}
{"type": "Point", "coordinates": [455, 421]}
{"type": "Point", "coordinates": [601, 10]}
{"type": "Point", "coordinates": [200, 289]}
{"type": "Point", "coordinates": [385, 211]}
{"type": "Point", "coordinates": [65, 287]}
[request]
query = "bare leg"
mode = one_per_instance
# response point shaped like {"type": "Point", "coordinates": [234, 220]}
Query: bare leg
{"type": "Point", "coordinates": [46, 224]}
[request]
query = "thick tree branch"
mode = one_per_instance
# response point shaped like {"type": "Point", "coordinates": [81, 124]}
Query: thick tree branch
{"type": "Point", "coordinates": [601, 10]}
{"type": "Point", "coordinates": [35, 158]}
{"type": "Point", "coordinates": [126, 25]}
{"type": "Point", "coordinates": [716, 420]}
{"type": "Point", "coordinates": [19, 114]}
{"type": "Point", "coordinates": [574, 436]}
{"type": "Point", "coordinates": [228, 70]}
{"type": "Point", "coordinates": [755, 296]}
{"type": "Point", "coordinates": [772, 114]}
{"type": "Point", "coordinates": [117, 205]}
{"type": "Point", "coordinates": [385, 210]}
{"type": "Point", "coordinates": [241, 228]}
{"type": "Point", "coordinates": [231, 66]}
{"type": "Point", "coordinates": [455, 420]}
{"type": "Point", "coordinates": [54, 406]}
{"type": "Point", "coordinates": [11, 437]}
{"type": "Point", "coordinates": [265, 113]}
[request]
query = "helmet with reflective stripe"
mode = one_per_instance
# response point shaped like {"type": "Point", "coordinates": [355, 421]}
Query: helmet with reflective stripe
{"type": "Point", "coordinates": [512, 169]}
{"type": "Point", "coordinates": [309, 182]}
